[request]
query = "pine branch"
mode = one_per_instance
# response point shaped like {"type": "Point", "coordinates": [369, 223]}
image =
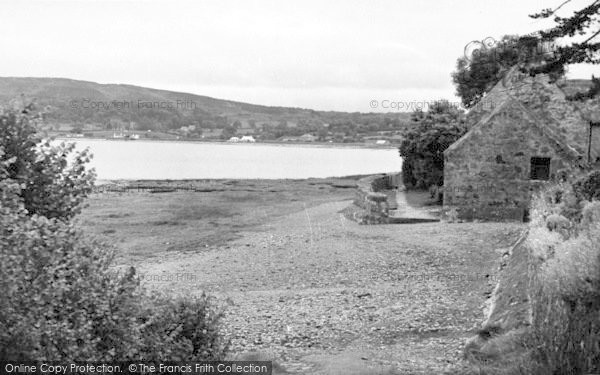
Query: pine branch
{"type": "Point", "coordinates": [548, 12]}
{"type": "Point", "coordinates": [592, 37]}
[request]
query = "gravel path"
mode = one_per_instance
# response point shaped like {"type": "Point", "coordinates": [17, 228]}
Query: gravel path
{"type": "Point", "coordinates": [323, 295]}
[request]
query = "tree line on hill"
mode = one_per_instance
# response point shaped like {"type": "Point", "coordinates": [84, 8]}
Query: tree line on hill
{"type": "Point", "coordinates": [339, 129]}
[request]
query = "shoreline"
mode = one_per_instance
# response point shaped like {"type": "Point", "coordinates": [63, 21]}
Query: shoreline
{"type": "Point", "coordinates": [160, 182]}
{"type": "Point", "coordinates": [216, 142]}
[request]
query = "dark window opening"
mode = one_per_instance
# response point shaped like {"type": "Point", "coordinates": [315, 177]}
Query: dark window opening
{"type": "Point", "coordinates": [540, 168]}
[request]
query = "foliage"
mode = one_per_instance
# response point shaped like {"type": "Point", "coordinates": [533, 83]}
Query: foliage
{"type": "Point", "coordinates": [558, 199]}
{"type": "Point", "coordinates": [60, 298]}
{"type": "Point", "coordinates": [566, 307]}
{"type": "Point", "coordinates": [588, 187]}
{"type": "Point", "coordinates": [565, 290]}
{"type": "Point", "coordinates": [422, 149]}
{"type": "Point", "coordinates": [181, 330]}
{"type": "Point", "coordinates": [52, 185]}
{"type": "Point", "coordinates": [477, 74]}
{"type": "Point", "coordinates": [584, 23]}
{"type": "Point", "coordinates": [228, 132]}
{"type": "Point", "coordinates": [61, 301]}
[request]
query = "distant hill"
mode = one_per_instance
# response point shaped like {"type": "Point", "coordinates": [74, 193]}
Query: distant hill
{"type": "Point", "coordinates": [109, 106]}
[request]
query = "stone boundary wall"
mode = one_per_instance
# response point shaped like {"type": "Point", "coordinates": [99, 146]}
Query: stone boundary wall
{"type": "Point", "coordinates": [375, 195]}
{"type": "Point", "coordinates": [508, 312]}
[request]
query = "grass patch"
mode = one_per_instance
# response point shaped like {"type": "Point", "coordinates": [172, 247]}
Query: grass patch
{"type": "Point", "coordinates": [144, 225]}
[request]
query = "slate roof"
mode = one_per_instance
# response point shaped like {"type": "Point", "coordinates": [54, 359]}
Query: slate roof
{"type": "Point", "coordinates": [546, 131]}
{"type": "Point", "coordinates": [532, 95]}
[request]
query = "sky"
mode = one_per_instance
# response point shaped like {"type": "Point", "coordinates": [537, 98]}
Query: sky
{"type": "Point", "coordinates": [346, 55]}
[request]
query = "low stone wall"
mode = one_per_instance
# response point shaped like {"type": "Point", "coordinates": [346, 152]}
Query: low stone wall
{"type": "Point", "coordinates": [375, 195]}
{"type": "Point", "coordinates": [508, 310]}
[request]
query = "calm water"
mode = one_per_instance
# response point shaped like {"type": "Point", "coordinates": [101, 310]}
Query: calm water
{"type": "Point", "coordinates": [183, 160]}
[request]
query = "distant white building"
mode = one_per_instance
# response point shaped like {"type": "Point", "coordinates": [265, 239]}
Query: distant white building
{"type": "Point", "coordinates": [248, 138]}
{"type": "Point", "coordinates": [308, 138]}
{"type": "Point", "coordinates": [382, 142]}
{"type": "Point", "coordinates": [234, 139]}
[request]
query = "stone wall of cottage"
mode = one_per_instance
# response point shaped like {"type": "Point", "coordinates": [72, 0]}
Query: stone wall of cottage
{"type": "Point", "coordinates": [488, 176]}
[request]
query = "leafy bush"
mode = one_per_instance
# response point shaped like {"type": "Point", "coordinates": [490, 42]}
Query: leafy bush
{"type": "Point", "coordinates": [559, 199]}
{"type": "Point", "coordinates": [51, 186]}
{"type": "Point", "coordinates": [565, 299]}
{"type": "Point", "coordinates": [423, 148]}
{"type": "Point", "coordinates": [62, 301]}
{"type": "Point", "coordinates": [588, 187]}
{"type": "Point", "coordinates": [60, 298]}
{"type": "Point", "coordinates": [182, 330]}
{"type": "Point", "coordinates": [590, 214]}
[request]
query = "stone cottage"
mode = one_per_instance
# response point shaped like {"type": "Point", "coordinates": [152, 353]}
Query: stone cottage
{"type": "Point", "coordinates": [525, 134]}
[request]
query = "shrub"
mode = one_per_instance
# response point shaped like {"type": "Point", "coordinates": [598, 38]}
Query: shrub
{"type": "Point", "coordinates": [60, 299]}
{"type": "Point", "coordinates": [590, 214]}
{"type": "Point", "coordinates": [51, 186]}
{"type": "Point", "coordinates": [542, 242]}
{"type": "Point", "coordinates": [182, 330]}
{"type": "Point", "coordinates": [560, 200]}
{"type": "Point", "coordinates": [423, 148]}
{"type": "Point", "coordinates": [558, 223]}
{"type": "Point", "coordinates": [565, 332]}
{"type": "Point", "coordinates": [588, 187]}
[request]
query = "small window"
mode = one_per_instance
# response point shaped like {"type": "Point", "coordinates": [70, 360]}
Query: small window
{"type": "Point", "coordinates": [540, 168]}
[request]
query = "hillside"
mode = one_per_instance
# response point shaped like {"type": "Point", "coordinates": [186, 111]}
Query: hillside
{"type": "Point", "coordinates": [89, 105]}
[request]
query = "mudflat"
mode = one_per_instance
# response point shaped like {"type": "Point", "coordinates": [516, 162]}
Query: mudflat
{"type": "Point", "coordinates": [301, 284]}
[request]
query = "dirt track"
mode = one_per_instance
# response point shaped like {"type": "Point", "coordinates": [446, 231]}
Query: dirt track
{"type": "Point", "coordinates": [323, 295]}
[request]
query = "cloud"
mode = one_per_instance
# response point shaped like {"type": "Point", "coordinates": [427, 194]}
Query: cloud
{"type": "Point", "coordinates": [268, 51]}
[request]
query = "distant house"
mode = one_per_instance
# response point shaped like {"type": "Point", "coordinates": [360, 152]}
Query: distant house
{"type": "Point", "coordinates": [247, 139]}
{"type": "Point", "coordinates": [308, 138]}
{"type": "Point", "coordinates": [234, 139]}
{"type": "Point", "coordinates": [525, 134]}
{"type": "Point", "coordinates": [382, 142]}
{"type": "Point", "coordinates": [121, 135]}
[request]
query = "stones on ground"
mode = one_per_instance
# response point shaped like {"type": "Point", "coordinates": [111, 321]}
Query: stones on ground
{"type": "Point", "coordinates": [385, 294]}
